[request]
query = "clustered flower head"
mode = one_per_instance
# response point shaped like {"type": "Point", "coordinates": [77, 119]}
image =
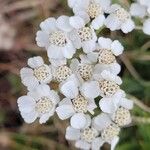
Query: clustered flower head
{"type": "Point", "coordinates": [84, 67]}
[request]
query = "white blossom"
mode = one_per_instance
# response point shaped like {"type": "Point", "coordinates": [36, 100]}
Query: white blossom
{"type": "Point", "coordinates": [90, 10]}
{"type": "Point", "coordinates": [75, 105]}
{"type": "Point", "coordinates": [109, 130]}
{"type": "Point", "coordinates": [38, 103]}
{"type": "Point", "coordinates": [119, 18]}
{"type": "Point", "coordinates": [111, 104]}
{"type": "Point", "coordinates": [106, 51]}
{"type": "Point", "coordinates": [86, 138]}
{"type": "Point", "coordinates": [84, 38]}
{"type": "Point", "coordinates": [36, 74]}
{"type": "Point", "coordinates": [54, 37]}
{"type": "Point", "coordinates": [109, 84]}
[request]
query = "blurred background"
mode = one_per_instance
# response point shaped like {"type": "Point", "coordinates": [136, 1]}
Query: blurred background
{"type": "Point", "coordinates": [19, 22]}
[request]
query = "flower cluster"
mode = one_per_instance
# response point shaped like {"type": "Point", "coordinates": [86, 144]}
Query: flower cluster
{"type": "Point", "coordinates": [141, 9]}
{"type": "Point", "coordinates": [84, 66]}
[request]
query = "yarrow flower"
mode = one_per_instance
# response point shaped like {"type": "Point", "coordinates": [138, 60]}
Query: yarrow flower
{"type": "Point", "coordinates": [54, 37]}
{"type": "Point", "coordinates": [38, 103]}
{"type": "Point", "coordinates": [90, 10]}
{"type": "Point", "coordinates": [38, 73]}
{"type": "Point", "coordinates": [109, 130]}
{"type": "Point", "coordinates": [106, 51]}
{"type": "Point", "coordinates": [86, 138]}
{"type": "Point", "coordinates": [119, 18]}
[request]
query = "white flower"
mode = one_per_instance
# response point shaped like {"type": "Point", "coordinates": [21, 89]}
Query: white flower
{"type": "Point", "coordinates": [119, 18]}
{"type": "Point", "coordinates": [86, 138]}
{"type": "Point", "coordinates": [82, 69]}
{"type": "Point", "coordinates": [54, 37]}
{"type": "Point", "coordinates": [90, 10]}
{"type": "Point", "coordinates": [106, 52]}
{"type": "Point", "coordinates": [38, 103]}
{"type": "Point", "coordinates": [109, 131]}
{"type": "Point", "coordinates": [111, 104]}
{"type": "Point", "coordinates": [146, 26]}
{"type": "Point", "coordinates": [108, 83]}
{"type": "Point", "coordinates": [84, 38]}
{"type": "Point", "coordinates": [38, 73]}
{"type": "Point", "coordinates": [122, 116]}
{"type": "Point", "coordinates": [75, 105]}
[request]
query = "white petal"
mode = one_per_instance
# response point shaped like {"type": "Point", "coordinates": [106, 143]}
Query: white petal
{"type": "Point", "coordinates": [101, 121]}
{"type": "Point", "coordinates": [117, 48]}
{"type": "Point", "coordinates": [53, 96]}
{"type": "Point", "coordinates": [126, 103]}
{"type": "Point", "coordinates": [82, 145]}
{"type": "Point", "coordinates": [98, 22]}
{"type": "Point", "coordinates": [107, 105]}
{"type": "Point", "coordinates": [42, 90]}
{"type": "Point", "coordinates": [35, 62]}
{"type": "Point", "coordinates": [58, 62]}
{"type": "Point", "coordinates": [73, 35]}
{"type": "Point", "coordinates": [128, 26]}
{"type": "Point", "coordinates": [72, 133]}
{"type": "Point", "coordinates": [71, 3]}
{"type": "Point", "coordinates": [115, 68]}
{"type": "Point", "coordinates": [55, 52]}
{"type": "Point", "coordinates": [26, 72]}
{"type": "Point", "coordinates": [65, 101]}
{"type": "Point", "coordinates": [30, 81]}
{"type": "Point", "coordinates": [97, 143]}
{"type": "Point", "coordinates": [137, 10]}
{"type": "Point", "coordinates": [48, 25]}
{"type": "Point", "coordinates": [44, 118]}
{"type": "Point", "coordinates": [105, 42]}
{"type": "Point", "coordinates": [65, 111]}
{"type": "Point", "coordinates": [69, 50]}
{"type": "Point", "coordinates": [83, 15]}
{"type": "Point", "coordinates": [74, 64]}
{"type": "Point", "coordinates": [89, 46]}
{"type": "Point", "coordinates": [90, 89]}
{"type": "Point", "coordinates": [26, 104]}
{"type": "Point", "coordinates": [146, 27]}
{"type": "Point", "coordinates": [114, 142]}
{"type": "Point", "coordinates": [29, 117]}
{"type": "Point", "coordinates": [42, 39]}
{"type": "Point", "coordinates": [91, 106]}
{"type": "Point", "coordinates": [63, 23]}
{"type": "Point", "coordinates": [83, 4]}
{"type": "Point", "coordinates": [104, 3]}
{"type": "Point", "coordinates": [78, 121]}
{"type": "Point", "coordinates": [69, 89]}
{"type": "Point", "coordinates": [112, 23]}
{"type": "Point", "coordinates": [76, 22]}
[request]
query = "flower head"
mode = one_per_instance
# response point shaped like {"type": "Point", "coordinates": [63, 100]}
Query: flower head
{"type": "Point", "coordinates": [86, 138]}
{"type": "Point", "coordinates": [38, 103]}
{"type": "Point", "coordinates": [38, 73]}
{"type": "Point", "coordinates": [119, 18]}
{"type": "Point", "coordinates": [112, 104]}
{"type": "Point", "coordinates": [54, 37]}
{"type": "Point", "coordinates": [91, 10]}
{"type": "Point", "coordinates": [75, 105]}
